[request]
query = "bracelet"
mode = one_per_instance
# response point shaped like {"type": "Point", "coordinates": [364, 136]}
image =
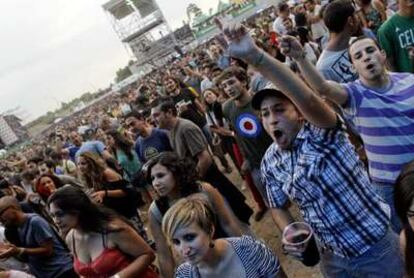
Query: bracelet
{"type": "Point", "coordinates": [106, 193]}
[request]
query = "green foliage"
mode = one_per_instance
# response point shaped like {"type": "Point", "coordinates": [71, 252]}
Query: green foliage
{"type": "Point", "coordinates": [122, 73]}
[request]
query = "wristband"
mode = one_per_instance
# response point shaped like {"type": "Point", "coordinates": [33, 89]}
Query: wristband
{"type": "Point", "coordinates": [106, 196]}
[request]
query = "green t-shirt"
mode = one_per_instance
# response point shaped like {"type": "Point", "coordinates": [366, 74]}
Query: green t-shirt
{"type": "Point", "coordinates": [130, 166]}
{"type": "Point", "coordinates": [395, 35]}
{"type": "Point", "coordinates": [250, 134]}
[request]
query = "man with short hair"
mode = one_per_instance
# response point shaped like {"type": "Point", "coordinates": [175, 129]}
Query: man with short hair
{"type": "Point", "coordinates": [207, 82]}
{"type": "Point", "coordinates": [150, 141]}
{"type": "Point", "coordinates": [283, 18]}
{"type": "Point", "coordinates": [313, 164]}
{"type": "Point", "coordinates": [342, 23]}
{"type": "Point", "coordinates": [379, 104]}
{"type": "Point", "coordinates": [250, 135]}
{"type": "Point", "coordinates": [76, 140]}
{"type": "Point", "coordinates": [189, 106]}
{"type": "Point", "coordinates": [396, 36]}
{"type": "Point", "coordinates": [219, 56]}
{"type": "Point", "coordinates": [318, 28]}
{"type": "Point", "coordinates": [46, 253]}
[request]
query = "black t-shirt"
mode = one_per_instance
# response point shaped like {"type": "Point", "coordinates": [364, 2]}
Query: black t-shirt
{"type": "Point", "coordinates": [191, 113]}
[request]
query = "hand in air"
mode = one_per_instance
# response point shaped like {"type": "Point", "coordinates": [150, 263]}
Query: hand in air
{"type": "Point", "coordinates": [291, 47]}
{"type": "Point", "coordinates": [241, 44]}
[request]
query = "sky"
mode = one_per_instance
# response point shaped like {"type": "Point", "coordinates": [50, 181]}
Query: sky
{"type": "Point", "coordinates": [52, 51]}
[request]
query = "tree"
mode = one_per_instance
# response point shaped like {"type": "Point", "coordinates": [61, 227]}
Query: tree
{"type": "Point", "coordinates": [122, 73]}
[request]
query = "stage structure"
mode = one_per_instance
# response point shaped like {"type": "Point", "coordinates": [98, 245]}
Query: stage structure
{"type": "Point", "coordinates": [141, 25]}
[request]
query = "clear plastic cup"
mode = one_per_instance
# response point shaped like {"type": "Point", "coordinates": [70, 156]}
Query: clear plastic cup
{"type": "Point", "coordinates": [297, 235]}
{"type": "Point", "coordinates": [299, 241]}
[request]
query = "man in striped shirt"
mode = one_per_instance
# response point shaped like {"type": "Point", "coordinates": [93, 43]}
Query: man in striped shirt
{"type": "Point", "coordinates": [379, 105]}
{"type": "Point", "coordinates": [312, 163]}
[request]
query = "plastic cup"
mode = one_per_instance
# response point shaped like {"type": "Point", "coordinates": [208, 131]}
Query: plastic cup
{"type": "Point", "coordinates": [297, 235]}
{"type": "Point", "coordinates": [298, 238]}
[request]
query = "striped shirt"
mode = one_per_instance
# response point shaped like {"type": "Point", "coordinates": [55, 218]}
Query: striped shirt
{"type": "Point", "coordinates": [385, 121]}
{"type": "Point", "coordinates": [257, 259]}
{"type": "Point", "coordinates": [324, 176]}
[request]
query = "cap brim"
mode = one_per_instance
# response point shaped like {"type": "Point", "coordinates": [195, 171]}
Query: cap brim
{"type": "Point", "coordinates": [260, 95]}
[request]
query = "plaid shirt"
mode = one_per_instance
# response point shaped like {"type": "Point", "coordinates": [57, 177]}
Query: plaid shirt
{"type": "Point", "coordinates": [325, 177]}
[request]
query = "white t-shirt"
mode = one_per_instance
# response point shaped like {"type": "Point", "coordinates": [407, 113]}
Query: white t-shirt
{"type": "Point", "coordinates": [318, 29]}
{"type": "Point", "coordinates": [279, 27]}
{"type": "Point", "coordinates": [310, 54]}
{"type": "Point", "coordinates": [336, 66]}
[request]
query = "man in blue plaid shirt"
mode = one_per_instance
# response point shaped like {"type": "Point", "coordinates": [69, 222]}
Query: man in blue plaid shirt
{"type": "Point", "coordinates": [313, 164]}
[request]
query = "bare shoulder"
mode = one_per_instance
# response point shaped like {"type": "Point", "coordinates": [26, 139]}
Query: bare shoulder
{"type": "Point", "coordinates": [69, 239]}
{"type": "Point", "coordinates": [111, 175]}
{"type": "Point", "coordinates": [118, 230]}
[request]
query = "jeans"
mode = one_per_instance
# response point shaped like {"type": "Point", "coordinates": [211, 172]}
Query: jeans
{"type": "Point", "coordinates": [207, 134]}
{"type": "Point", "coordinates": [386, 192]}
{"type": "Point", "coordinates": [383, 260]}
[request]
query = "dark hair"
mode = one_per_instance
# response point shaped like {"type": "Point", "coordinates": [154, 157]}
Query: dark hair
{"type": "Point", "coordinates": [239, 63]}
{"type": "Point", "coordinates": [55, 156]}
{"type": "Point", "coordinates": [168, 106]}
{"type": "Point", "coordinates": [183, 170]}
{"type": "Point", "coordinates": [122, 143]}
{"type": "Point", "coordinates": [135, 114]}
{"type": "Point", "coordinates": [366, 2]}
{"type": "Point", "coordinates": [35, 160]}
{"type": "Point", "coordinates": [300, 19]}
{"type": "Point", "coordinates": [403, 198]}
{"type": "Point", "coordinates": [336, 15]}
{"type": "Point", "coordinates": [232, 71]}
{"type": "Point", "coordinates": [363, 37]}
{"type": "Point", "coordinates": [49, 164]}
{"type": "Point", "coordinates": [282, 7]}
{"type": "Point", "coordinates": [4, 183]}
{"type": "Point", "coordinates": [27, 175]}
{"type": "Point", "coordinates": [92, 217]}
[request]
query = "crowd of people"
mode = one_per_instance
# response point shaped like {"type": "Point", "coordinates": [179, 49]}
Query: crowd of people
{"type": "Point", "coordinates": [309, 102]}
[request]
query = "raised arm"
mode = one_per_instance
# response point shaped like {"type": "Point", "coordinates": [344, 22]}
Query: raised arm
{"type": "Point", "coordinates": [333, 91]}
{"type": "Point", "coordinates": [312, 107]}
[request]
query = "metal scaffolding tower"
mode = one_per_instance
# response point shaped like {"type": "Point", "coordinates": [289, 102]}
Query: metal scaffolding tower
{"type": "Point", "coordinates": [141, 25]}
